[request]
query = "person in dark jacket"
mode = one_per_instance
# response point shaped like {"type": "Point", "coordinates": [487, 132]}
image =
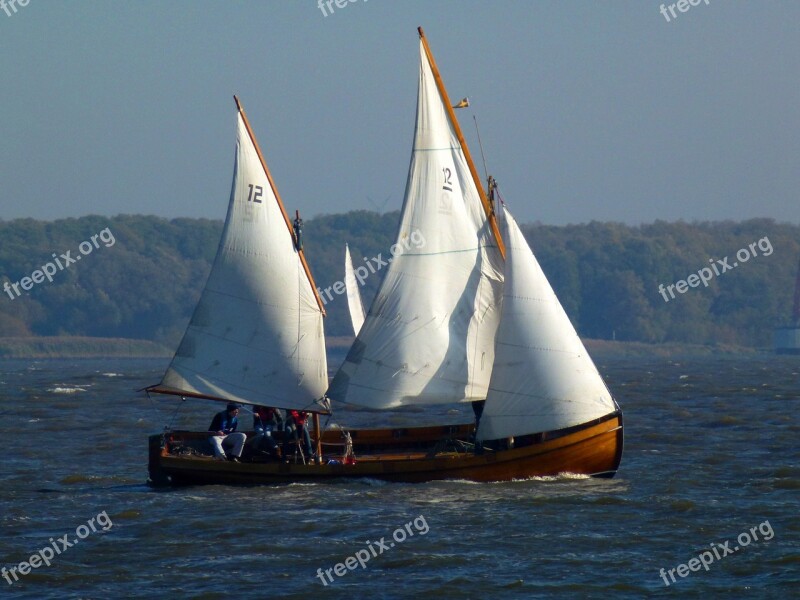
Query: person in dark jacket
{"type": "Point", "coordinates": [223, 428]}
{"type": "Point", "coordinates": [265, 421]}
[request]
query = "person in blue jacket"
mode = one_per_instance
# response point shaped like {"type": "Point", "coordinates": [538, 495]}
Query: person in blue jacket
{"type": "Point", "coordinates": [223, 428]}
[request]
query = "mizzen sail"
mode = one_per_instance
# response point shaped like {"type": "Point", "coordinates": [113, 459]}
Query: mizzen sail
{"type": "Point", "coordinates": [256, 335]}
{"type": "Point", "coordinates": [429, 335]}
{"type": "Point", "coordinates": [543, 378]}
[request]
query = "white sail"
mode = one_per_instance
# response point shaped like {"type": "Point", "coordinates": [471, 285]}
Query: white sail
{"type": "Point", "coordinates": [256, 335]}
{"type": "Point", "coordinates": [543, 378]}
{"type": "Point", "coordinates": [429, 335]}
{"type": "Point", "coordinates": [353, 295]}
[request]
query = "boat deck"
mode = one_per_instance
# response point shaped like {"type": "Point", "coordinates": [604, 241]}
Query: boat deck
{"type": "Point", "coordinates": [368, 444]}
{"type": "Point", "coordinates": [409, 455]}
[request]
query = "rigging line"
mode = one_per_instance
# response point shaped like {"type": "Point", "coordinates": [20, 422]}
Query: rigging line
{"type": "Point", "coordinates": [327, 422]}
{"type": "Point", "coordinates": [483, 156]}
{"type": "Point", "coordinates": [167, 427]}
{"type": "Point", "coordinates": [177, 408]}
{"type": "Point", "coordinates": [310, 407]}
{"type": "Point", "coordinates": [499, 195]}
{"type": "Point", "coordinates": [152, 405]}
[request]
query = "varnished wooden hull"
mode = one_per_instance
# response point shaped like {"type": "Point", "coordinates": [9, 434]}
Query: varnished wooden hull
{"type": "Point", "coordinates": [592, 449]}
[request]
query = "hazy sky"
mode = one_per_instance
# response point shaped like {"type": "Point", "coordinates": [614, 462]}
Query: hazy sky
{"type": "Point", "coordinates": [588, 110]}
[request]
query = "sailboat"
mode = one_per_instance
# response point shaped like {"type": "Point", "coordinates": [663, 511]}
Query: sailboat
{"type": "Point", "coordinates": [354, 303]}
{"type": "Point", "coordinates": [469, 317]}
{"type": "Point", "coordinates": [787, 338]}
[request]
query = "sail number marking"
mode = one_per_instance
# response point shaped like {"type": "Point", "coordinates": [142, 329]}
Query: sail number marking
{"type": "Point", "coordinates": [447, 184]}
{"type": "Point", "coordinates": [255, 193]}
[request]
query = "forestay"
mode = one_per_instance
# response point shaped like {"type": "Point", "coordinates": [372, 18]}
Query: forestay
{"type": "Point", "coordinates": [543, 378]}
{"type": "Point", "coordinates": [256, 335]}
{"type": "Point", "coordinates": [429, 335]}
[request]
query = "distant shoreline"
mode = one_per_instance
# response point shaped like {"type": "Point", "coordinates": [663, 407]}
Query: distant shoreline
{"type": "Point", "coordinates": [613, 349]}
{"type": "Point", "coordinates": [79, 347]}
{"type": "Point", "coordinates": [90, 347]}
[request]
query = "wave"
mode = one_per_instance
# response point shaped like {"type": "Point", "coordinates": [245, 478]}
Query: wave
{"type": "Point", "coordinates": [66, 390]}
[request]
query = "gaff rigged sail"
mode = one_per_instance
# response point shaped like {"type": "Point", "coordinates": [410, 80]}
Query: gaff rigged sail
{"type": "Point", "coordinates": [256, 335]}
{"type": "Point", "coordinates": [429, 335]}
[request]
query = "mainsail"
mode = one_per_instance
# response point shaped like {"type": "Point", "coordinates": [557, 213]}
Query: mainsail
{"type": "Point", "coordinates": [543, 378]}
{"type": "Point", "coordinates": [429, 335]}
{"type": "Point", "coordinates": [353, 295]}
{"type": "Point", "coordinates": [256, 335]}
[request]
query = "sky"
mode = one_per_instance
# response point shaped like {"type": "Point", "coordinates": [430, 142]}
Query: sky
{"type": "Point", "coordinates": [588, 110]}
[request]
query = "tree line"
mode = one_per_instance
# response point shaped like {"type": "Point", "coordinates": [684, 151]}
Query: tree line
{"type": "Point", "coordinates": [607, 275]}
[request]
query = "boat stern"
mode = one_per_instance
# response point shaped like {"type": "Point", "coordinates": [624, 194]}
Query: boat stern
{"type": "Point", "coordinates": [156, 449]}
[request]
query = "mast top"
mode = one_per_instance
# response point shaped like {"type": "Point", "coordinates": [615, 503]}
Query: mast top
{"type": "Point", "coordinates": [289, 225]}
{"type": "Point", "coordinates": [487, 207]}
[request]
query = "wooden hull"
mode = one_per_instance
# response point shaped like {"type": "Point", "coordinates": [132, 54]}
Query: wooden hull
{"type": "Point", "coordinates": [409, 455]}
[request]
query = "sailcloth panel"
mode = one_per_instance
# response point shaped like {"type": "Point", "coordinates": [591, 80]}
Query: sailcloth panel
{"type": "Point", "coordinates": [353, 294]}
{"type": "Point", "coordinates": [256, 335]}
{"type": "Point", "coordinates": [429, 335]}
{"type": "Point", "coordinates": [543, 378]}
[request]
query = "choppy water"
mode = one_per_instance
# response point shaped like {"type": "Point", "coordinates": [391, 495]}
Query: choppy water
{"type": "Point", "coordinates": [711, 451]}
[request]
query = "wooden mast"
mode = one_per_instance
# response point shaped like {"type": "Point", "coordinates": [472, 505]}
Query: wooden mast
{"type": "Point", "coordinates": [487, 206]}
{"type": "Point", "coordinates": [280, 204]}
{"type": "Point", "coordinates": [318, 438]}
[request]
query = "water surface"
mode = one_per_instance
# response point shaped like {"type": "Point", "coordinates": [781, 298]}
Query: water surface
{"type": "Point", "coordinates": [711, 451]}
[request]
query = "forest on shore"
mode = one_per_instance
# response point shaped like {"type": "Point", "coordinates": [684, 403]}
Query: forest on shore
{"type": "Point", "coordinates": [145, 284]}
